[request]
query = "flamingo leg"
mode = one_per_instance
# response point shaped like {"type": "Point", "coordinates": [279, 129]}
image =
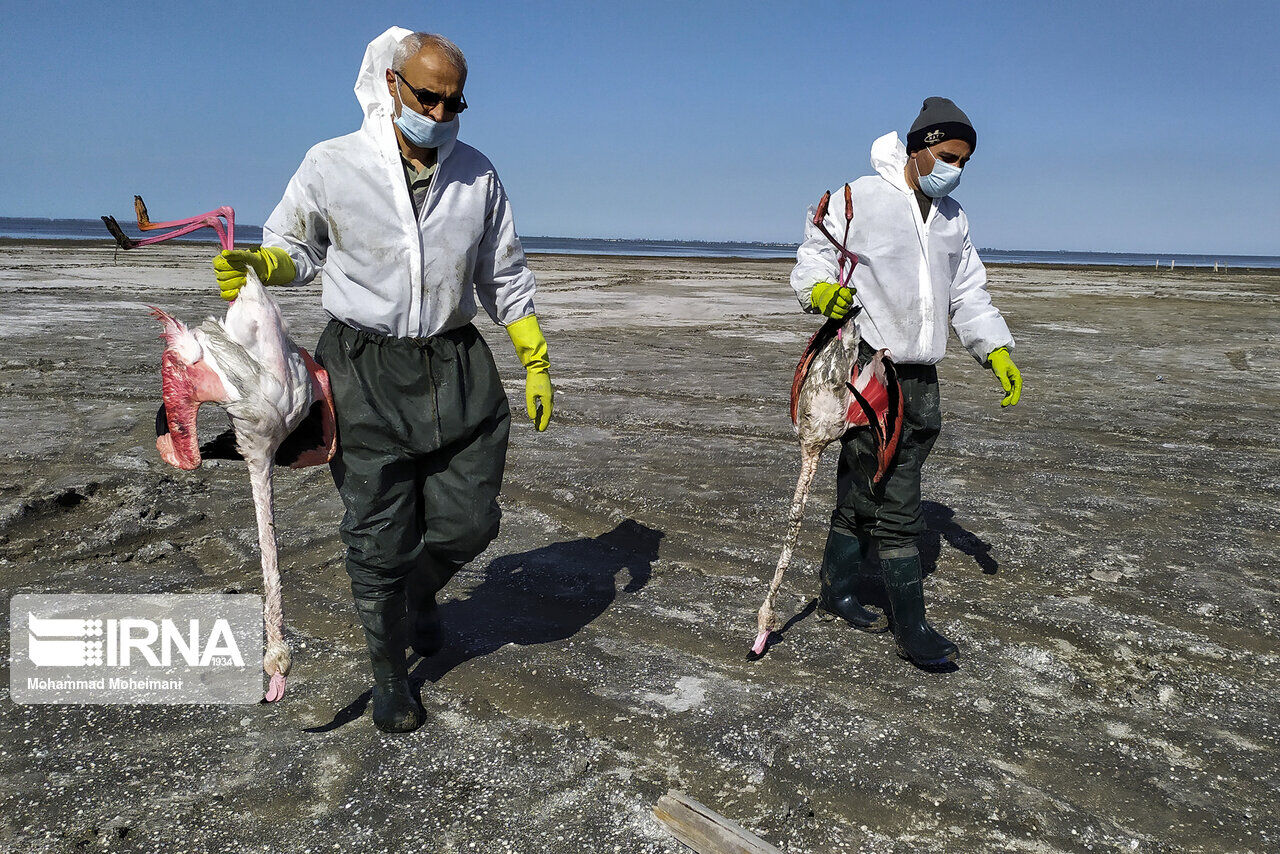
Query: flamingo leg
{"type": "Point", "coordinates": [276, 660]}
{"type": "Point", "coordinates": [211, 219]}
{"type": "Point", "coordinates": [178, 232]}
{"type": "Point", "coordinates": [218, 229]}
{"type": "Point", "coordinates": [824, 205]}
{"type": "Point", "coordinates": [767, 619]}
{"type": "Point", "coordinates": [841, 246]}
{"type": "Point", "coordinates": [145, 223]}
{"type": "Point", "coordinates": [845, 254]}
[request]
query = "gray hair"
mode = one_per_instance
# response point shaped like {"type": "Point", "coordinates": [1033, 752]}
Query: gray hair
{"type": "Point", "coordinates": [414, 42]}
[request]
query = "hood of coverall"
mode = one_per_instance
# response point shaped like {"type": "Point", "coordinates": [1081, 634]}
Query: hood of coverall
{"type": "Point", "coordinates": [889, 158]}
{"type": "Point", "coordinates": [371, 90]}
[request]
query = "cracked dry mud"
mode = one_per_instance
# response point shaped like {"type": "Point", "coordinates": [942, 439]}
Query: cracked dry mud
{"type": "Point", "coordinates": [1105, 554]}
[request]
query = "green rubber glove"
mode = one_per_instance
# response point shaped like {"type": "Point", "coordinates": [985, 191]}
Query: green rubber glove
{"type": "Point", "coordinates": [1007, 372]}
{"type": "Point", "coordinates": [531, 347]}
{"type": "Point", "coordinates": [272, 264]}
{"type": "Point", "coordinates": [832, 300]}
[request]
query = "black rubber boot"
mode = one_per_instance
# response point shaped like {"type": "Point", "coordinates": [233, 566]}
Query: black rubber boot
{"type": "Point", "coordinates": [425, 634]}
{"type": "Point", "coordinates": [840, 576]}
{"type": "Point", "coordinates": [917, 640]}
{"type": "Point", "coordinates": [395, 708]}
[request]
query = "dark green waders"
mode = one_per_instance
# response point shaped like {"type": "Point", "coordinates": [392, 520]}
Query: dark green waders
{"type": "Point", "coordinates": [422, 438]}
{"type": "Point", "coordinates": [889, 512]}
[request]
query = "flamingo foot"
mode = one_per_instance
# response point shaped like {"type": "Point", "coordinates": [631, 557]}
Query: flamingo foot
{"type": "Point", "coordinates": [762, 640]}
{"type": "Point", "coordinates": [276, 689]}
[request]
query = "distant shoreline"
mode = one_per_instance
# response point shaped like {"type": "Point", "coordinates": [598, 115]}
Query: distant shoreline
{"type": "Point", "coordinates": [36, 231]}
{"type": "Point", "coordinates": [212, 248]}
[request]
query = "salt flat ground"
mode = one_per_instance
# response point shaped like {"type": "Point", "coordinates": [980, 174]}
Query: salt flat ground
{"type": "Point", "coordinates": [1105, 554]}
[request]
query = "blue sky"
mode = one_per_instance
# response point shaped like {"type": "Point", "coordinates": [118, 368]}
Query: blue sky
{"type": "Point", "coordinates": [1115, 126]}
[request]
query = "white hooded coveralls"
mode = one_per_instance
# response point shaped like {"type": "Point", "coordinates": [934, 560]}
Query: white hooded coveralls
{"type": "Point", "coordinates": [913, 273]}
{"type": "Point", "coordinates": [385, 269]}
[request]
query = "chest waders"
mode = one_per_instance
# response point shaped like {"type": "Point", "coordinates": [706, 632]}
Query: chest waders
{"type": "Point", "coordinates": [888, 512]}
{"type": "Point", "coordinates": [422, 443]}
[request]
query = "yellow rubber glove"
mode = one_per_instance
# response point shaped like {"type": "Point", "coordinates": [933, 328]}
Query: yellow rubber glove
{"type": "Point", "coordinates": [1007, 372]}
{"type": "Point", "coordinates": [832, 300]}
{"type": "Point", "coordinates": [531, 347]}
{"type": "Point", "coordinates": [272, 264]}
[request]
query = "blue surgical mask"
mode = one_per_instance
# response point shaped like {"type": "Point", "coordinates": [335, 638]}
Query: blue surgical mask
{"type": "Point", "coordinates": [941, 181]}
{"type": "Point", "coordinates": [423, 131]}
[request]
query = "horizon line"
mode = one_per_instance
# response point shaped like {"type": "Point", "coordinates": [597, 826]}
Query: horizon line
{"type": "Point", "coordinates": [694, 241]}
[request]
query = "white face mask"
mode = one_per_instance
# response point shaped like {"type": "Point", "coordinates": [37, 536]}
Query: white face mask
{"type": "Point", "coordinates": [424, 131]}
{"type": "Point", "coordinates": [941, 181]}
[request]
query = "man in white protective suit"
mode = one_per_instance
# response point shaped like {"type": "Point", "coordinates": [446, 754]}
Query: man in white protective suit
{"type": "Point", "coordinates": [409, 228]}
{"type": "Point", "coordinates": [917, 270]}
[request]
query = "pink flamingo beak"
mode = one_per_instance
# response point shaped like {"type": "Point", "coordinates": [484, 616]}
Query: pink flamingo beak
{"type": "Point", "coordinates": [762, 640]}
{"type": "Point", "coordinates": [275, 690]}
{"type": "Point", "coordinates": [213, 219]}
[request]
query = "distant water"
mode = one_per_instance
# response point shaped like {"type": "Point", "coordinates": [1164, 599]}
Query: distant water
{"type": "Point", "coordinates": [92, 229]}
{"type": "Point", "coordinates": [658, 248]}
{"type": "Point", "coordinates": [1125, 259]}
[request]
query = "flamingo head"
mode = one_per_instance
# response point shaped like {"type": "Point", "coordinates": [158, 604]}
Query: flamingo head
{"type": "Point", "coordinates": [276, 662]}
{"type": "Point", "coordinates": [762, 641]}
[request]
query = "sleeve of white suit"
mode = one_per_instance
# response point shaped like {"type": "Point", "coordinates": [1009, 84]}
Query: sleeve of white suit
{"type": "Point", "coordinates": [504, 282]}
{"type": "Point", "coordinates": [298, 225]}
{"type": "Point", "coordinates": [816, 261]}
{"type": "Point", "coordinates": [977, 322]}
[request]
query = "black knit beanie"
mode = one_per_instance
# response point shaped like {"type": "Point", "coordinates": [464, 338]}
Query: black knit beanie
{"type": "Point", "coordinates": [940, 119]}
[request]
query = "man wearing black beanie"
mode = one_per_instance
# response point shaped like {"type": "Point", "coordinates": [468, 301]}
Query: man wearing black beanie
{"type": "Point", "coordinates": [917, 270]}
{"type": "Point", "coordinates": [940, 119]}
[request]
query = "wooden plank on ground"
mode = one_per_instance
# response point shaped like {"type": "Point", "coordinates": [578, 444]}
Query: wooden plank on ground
{"type": "Point", "coordinates": [705, 830]}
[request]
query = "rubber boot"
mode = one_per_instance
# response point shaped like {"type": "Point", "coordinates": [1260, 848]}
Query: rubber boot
{"type": "Point", "coordinates": [425, 634]}
{"type": "Point", "coordinates": [840, 575]}
{"type": "Point", "coordinates": [917, 641]}
{"type": "Point", "coordinates": [395, 708]}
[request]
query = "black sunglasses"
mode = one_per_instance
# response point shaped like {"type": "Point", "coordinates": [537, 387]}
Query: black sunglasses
{"type": "Point", "coordinates": [429, 99]}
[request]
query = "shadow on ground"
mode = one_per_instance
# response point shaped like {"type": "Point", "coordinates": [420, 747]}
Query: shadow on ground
{"type": "Point", "coordinates": [539, 596]}
{"type": "Point", "coordinates": [940, 521]}
{"type": "Point", "coordinates": [544, 595]}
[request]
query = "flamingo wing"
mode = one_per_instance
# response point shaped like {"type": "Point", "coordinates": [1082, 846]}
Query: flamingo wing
{"type": "Point", "coordinates": [876, 402]}
{"type": "Point", "coordinates": [817, 342]}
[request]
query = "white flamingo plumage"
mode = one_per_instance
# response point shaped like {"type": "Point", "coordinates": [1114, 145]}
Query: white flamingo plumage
{"type": "Point", "coordinates": [268, 385]}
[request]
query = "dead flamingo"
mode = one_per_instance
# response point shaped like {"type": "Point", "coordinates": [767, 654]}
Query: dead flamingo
{"type": "Point", "coordinates": [269, 387]}
{"type": "Point", "coordinates": [830, 395]}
